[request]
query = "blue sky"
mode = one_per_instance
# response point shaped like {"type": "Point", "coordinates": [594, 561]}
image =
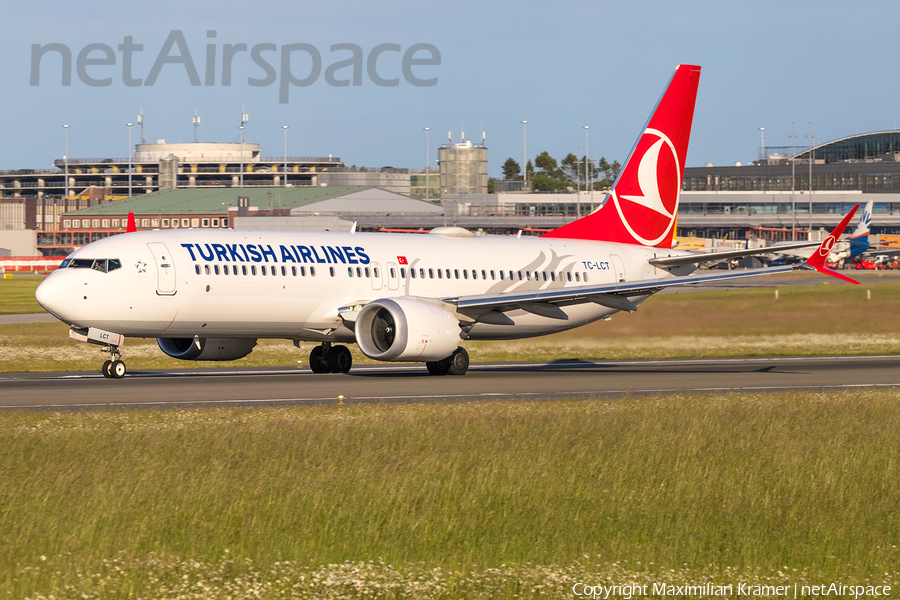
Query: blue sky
{"type": "Point", "coordinates": [561, 66]}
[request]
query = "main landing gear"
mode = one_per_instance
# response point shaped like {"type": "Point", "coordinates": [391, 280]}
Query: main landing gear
{"type": "Point", "coordinates": [455, 364]}
{"type": "Point", "coordinates": [115, 367]}
{"type": "Point", "coordinates": [330, 359]}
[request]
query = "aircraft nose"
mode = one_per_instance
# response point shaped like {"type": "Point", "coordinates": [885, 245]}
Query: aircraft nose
{"type": "Point", "coordinates": [57, 294]}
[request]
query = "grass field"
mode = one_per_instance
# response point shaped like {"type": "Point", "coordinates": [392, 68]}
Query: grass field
{"type": "Point", "coordinates": [17, 295]}
{"type": "Point", "coordinates": [450, 501]}
{"type": "Point", "coordinates": [804, 320]}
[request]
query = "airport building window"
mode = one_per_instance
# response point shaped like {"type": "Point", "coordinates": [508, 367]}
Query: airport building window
{"type": "Point", "coordinates": [165, 223]}
{"type": "Point", "coordinates": [185, 222]}
{"type": "Point", "coordinates": [215, 222]}
{"type": "Point", "coordinates": [67, 223]}
{"type": "Point", "coordinates": [105, 223]}
{"type": "Point", "coordinates": [154, 223]}
{"type": "Point", "coordinates": [195, 223]}
{"type": "Point", "coordinates": [206, 222]}
{"type": "Point", "coordinates": [145, 222]}
{"type": "Point", "coordinates": [96, 223]}
{"type": "Point", "coordinates": [115, 223]}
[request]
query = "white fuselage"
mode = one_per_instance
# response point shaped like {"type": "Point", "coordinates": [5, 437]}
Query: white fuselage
{"type": "Point", "coordinates": [255, 284]}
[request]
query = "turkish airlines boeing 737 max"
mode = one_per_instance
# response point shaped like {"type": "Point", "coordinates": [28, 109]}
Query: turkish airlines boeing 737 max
{"type": "Point", "coordinates": [210, 294]}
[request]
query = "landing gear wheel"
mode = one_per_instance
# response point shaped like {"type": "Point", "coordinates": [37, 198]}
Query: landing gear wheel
{"type": "Point", "coordinates": [459, 362]}
{"type": "Point", "coordinates": [339, 359]}
{"type": "Point", "coordinates": [105, 369]}
{"type": "Point", "coordinates": [117, 369]}
{"type": "Point", "coordinates": [439, 367]}
{"type": "Point", "coordinates": [317, 360]}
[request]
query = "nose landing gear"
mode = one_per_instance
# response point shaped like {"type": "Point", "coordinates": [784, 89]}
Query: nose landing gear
{"type": "Point", "coordinates": [114, 368]}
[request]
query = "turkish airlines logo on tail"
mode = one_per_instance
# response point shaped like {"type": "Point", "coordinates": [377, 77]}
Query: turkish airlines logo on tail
{"type": "Point", "coordinates": [646, 195]}
{"type": "Point", "coordinates": [827, 245]}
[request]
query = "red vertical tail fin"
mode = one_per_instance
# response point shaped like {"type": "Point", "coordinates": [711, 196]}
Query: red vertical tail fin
{"type": "Point", "coordinates": [642, 205]}
{"type": "Point", "coordinates": [132, 225]}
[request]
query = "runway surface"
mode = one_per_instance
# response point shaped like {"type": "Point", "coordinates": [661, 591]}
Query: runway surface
{"type": "Point", "coordinates": [412, 383]}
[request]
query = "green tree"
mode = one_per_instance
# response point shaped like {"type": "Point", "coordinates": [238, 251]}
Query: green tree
{"type": "Point", "coordinates": [547, 164]}
{"type": "Point", "coordinates": [571, 168]}
{"type": "Point", "coordinates": [492, 184]}
{"type": "Point", "coordinates": [529, 170]}
{"type": "Point", "coordinates": [511, 169]}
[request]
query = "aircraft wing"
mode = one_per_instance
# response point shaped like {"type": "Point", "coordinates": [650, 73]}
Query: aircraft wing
{"type": "Point", "coordinates": [690, 259]}
{"type": "Point", "coordinates": [612, 295]}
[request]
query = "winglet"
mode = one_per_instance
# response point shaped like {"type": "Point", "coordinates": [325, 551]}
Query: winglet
{"type": "Point", "coordinates": [817, 260]}
{"type": "Point", "coordinates": [132, 225]}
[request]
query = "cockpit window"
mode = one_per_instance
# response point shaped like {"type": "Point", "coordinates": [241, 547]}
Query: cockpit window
{"type": "Point", "coordinates": [102, 265]}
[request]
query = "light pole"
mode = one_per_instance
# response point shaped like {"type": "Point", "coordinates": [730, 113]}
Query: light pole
{"type": "Point", "coordinates": [66, 160]}
{"type": "Point", "coordinates": [525, 153]}
{"type": "Point", "coordinates": [793, 137]}
{"type": "Point", "coordinates": [427, 166]}
{"type": "Point", "coordinates": [762, 144]}
{"type": "Point", "coordinates": [810, 137]}
{"type": "Point", "coordinates": [285, 127]}
{"type": "Point", "coordinates": [587, 169]}
{"type": "Point", "coordinates": [129, 158]}
{"type": "Point", "coordinates": [245, 118]}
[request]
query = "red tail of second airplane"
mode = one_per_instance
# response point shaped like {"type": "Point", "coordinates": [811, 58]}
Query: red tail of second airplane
{"type": "Point", "coordinates": [642, 206]}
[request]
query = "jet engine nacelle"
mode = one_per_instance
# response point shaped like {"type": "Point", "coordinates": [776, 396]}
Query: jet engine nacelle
{"type": "Point", "coordinates": [405, 329]}
{"type": "Point", "coordinates": [206, 348]}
